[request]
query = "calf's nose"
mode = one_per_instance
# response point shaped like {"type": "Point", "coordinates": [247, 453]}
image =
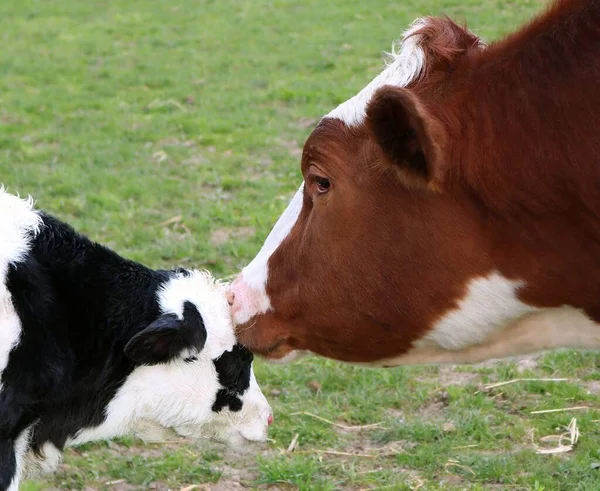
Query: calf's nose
{"type": "Point", "coordinates": [270, 420]}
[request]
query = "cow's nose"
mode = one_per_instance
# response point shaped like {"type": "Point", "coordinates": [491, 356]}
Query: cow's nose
{"type": "Point", "coordinates": [270, 420]}
{"type": "Point", "coordinates": [230, 297]}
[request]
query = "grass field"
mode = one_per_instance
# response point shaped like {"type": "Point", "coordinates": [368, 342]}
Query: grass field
{"type": "Point", "coordinates": [171, 130]}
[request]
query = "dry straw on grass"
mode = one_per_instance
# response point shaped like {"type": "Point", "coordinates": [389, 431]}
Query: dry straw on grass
{"type": "Point", "coordinates": [564, 442]}
{"type": "Point", "coordinates": [203, 487]}
{"type": "Point", "coordinates": [293, 443]}
{"type": "Point", "coordinates": [515, 380]}
{"type": "Point", "coordinates": [561, 410]}
{"type": "Point", "coordinates": [338, 425]}
{"type": "Point", "coordinates": [452, 463]}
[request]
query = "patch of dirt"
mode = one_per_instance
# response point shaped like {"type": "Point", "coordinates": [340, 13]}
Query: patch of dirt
{"type": "Point", "coordinates": [233, 478]}
{"type": "Point", "coordinates": [448, 375]}
{"type": "Point", "coordinates": [396, 414]}
{"type": "Point", "coordinates": [527, 363]}
{"type": "Point", "coordinates": [523, 362]}
{"type": "Point", "coordinates": [221, 236]}
{"type": "Point", "coordinates": [174, 142]}
{"type": "Point", "coordinates": [433, 412]}
{"type": "Point", "coordinates": [592, 387]}
{"type": "Point", "coordinates": [265, 161]}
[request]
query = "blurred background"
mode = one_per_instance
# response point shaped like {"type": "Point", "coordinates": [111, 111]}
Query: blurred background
{"type": "Point", "coordinates": [171, 131]}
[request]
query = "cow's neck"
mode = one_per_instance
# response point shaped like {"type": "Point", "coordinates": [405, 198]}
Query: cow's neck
{"type": "Point", "coordinates": [524, 145]}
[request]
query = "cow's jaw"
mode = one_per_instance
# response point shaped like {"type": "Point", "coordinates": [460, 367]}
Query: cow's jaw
{"type": "Point", "coordinates": [249, 290]}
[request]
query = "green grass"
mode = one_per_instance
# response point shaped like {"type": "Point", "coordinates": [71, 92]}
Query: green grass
{"type": "Point", "coordinates": [170, 131]}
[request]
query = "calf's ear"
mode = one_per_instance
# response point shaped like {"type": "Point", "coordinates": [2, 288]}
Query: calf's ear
{"type": "Point", "coordinates": [168, 338]}
{"type": "Point", "coordinates": [409, 136]}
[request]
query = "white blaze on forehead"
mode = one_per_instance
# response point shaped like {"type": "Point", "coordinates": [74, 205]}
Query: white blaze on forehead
{"type": "Point", "coordinates": [405, 67]}
{"type": "Point", "coordinates": [254, 299]}
{"type": "Point", "coordinates": [256, 272]}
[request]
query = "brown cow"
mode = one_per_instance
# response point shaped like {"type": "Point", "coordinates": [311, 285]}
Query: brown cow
{"type": "Point", "coordinates": [450, 212]}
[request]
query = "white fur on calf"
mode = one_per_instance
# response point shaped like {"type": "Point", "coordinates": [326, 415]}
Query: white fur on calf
{"type": "Point", "coordinates": [18, 223]}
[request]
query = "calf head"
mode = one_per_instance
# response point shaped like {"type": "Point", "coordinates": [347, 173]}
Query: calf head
{"type": "Point", "coordinates": [191, 375]}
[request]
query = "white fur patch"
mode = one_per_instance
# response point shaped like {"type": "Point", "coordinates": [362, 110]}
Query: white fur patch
{"type": "Point", "coordinates": [250, 287]}
{"type": "Point", "coordinates": [21, 446]}
{"type": "Point", "coordinates": [179, 396]}
{"type": "Point", "coordinates": [406, 66]}
{"type": "Point", "coordinates": [19, 222]}
{"type": "Point", "coordinates": [10, 328]}
{"type": "Point", "coordinates": [490, 304]}
{"type": "Point", "coordinates": [208, 295]}
{"type": "Point", "coordinates": [490, 322]}
{"type": "Point", "coordinates": [51, 457]}
{"type": "Point", "coordinates": [543, 330]}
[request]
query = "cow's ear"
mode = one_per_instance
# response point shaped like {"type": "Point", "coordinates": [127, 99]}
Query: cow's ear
{"type": "Point", "coordinates": [411, 139]}
{"type": "Point", "coordinates": [168, 338]}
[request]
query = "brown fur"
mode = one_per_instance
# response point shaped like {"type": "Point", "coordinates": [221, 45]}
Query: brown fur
{"type": "Point", "coordinates": [511, 140]}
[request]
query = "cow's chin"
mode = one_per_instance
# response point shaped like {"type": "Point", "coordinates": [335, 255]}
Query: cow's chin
{"type": "Point", "coordinates": [291, 356]}
{"type": "Point", "coordinates": [280, 352]}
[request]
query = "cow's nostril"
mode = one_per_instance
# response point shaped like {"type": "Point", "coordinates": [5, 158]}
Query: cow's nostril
{"type": "Point", "coordinates": [230, 297]}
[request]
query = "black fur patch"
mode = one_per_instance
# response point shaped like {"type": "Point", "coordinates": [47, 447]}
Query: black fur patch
{"type": "Point", "coordinates": [165, 338]}
{"type": "Point", "coordinates": [79, 304]}
{"type": "Point", "coordinates": [233, 368]}
{"type": "Point", "coordinates": [7, 463]}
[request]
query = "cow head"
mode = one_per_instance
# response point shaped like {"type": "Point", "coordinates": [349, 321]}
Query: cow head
{"type": "Point", "coordinates": [377, 242]}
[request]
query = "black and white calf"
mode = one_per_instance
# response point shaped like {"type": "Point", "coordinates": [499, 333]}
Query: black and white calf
{"type": "Point", "coordinates": [94, 346]}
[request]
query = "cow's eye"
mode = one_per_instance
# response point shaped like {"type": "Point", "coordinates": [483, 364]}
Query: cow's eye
{"type": "Point", "coordinates": [317, 181]}
{"type": "Point", "coordinates": [323, 184]}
